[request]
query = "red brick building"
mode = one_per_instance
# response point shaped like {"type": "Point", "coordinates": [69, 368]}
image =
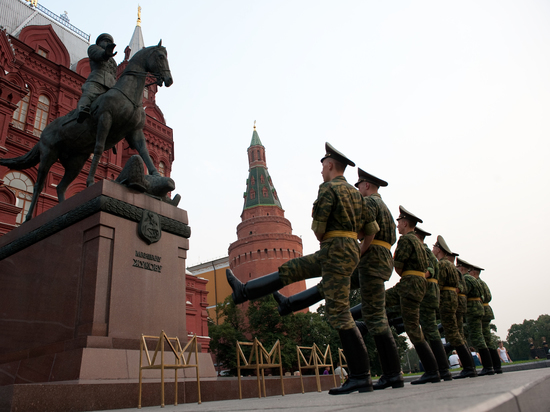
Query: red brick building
{"type": "Point", "coordinates": [264, 237]}
{"type": "Point", "coordinates": [43, 64]}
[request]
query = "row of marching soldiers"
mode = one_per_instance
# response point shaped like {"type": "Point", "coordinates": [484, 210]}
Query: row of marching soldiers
{"type": "Point", "coordinates": [430, 284]}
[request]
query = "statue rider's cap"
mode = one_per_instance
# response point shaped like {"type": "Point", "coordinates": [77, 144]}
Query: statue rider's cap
{"type": "Point", "coordinates": [441, 244]}
{"type": "Point", "coordinates": [405, 214]}
{"type": "Point", "coordinates": [421, 232]}
{"type": "Point", "coordinates": [336, 155]}
{"type": "Point", "coordinates": [104, 36]}
{"type": "Point", "coordinates": [367, 177]}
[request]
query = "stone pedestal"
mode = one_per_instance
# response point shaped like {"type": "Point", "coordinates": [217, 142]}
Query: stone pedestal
{"type": "Point", "coordinates": [79, 285]}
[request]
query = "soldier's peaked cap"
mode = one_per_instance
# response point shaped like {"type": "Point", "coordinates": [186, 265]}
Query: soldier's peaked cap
{"type": "Point", "coordinates": [441, 244]}
{"type": "Point", "coordinates": [336, 155]}
{"type": "Point", "coordinates": [367, 177]}
{"type": "Point", "coordinates": [476, 267]}
{"type": "Point", "coordinates": [405, 214]}
{"type": "Point", "coordinates": [421, 232]}
{"type": "Point", "coordinates": [104, 36]}
{"type": "Point", "coordinates": [462, 262]}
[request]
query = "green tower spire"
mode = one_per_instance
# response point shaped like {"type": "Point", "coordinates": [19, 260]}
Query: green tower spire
{"type": "Point", "coordinates": [259, 186]}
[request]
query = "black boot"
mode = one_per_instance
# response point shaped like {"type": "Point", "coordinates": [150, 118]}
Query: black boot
{"type": "Point", "coordinates": [298, 301]}
{"type": "Point", "coordinates": [428, 361]}
{"type": "Point", "coordinates": [441, 358]}
{"type": "Point", "coordinates": [468, 366]}
{"type": "Point", "coordinates": [358, 363]}
{"type": "Point", "coordinates": [389, 359]}
{"type": "Point", "coordinates": [253, 289]}
{"type": "Point", "coordinates": [486, 362]}
{"type": "Point", "coordinates": [497, 366]}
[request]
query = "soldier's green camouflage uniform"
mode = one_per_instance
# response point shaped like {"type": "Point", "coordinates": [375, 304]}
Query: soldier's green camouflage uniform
{"type": "Point", "coordinates": [375, 267]}
{"type": "Point", "coordinates": [430, 303]}
{"type": "Point", "coordinates": [462, 307]}
{"type": "Point", "coordinates": [449, 301]}
{"type": "Point", "coordinates": [488, 316]}
{"type": "Point", "coordinates": [475, 312]}
{"type": "Point", "coordinates": [409, 292]}
{"type": "Point", "coordinates": [339, 207]}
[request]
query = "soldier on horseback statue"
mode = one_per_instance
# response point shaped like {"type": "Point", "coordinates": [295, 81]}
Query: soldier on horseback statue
{"type": "Point", "coordinates": [103, 75]}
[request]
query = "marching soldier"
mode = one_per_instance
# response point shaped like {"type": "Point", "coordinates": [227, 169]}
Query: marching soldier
{"type": "Point", "coordinates": [411, 264]}
{"type": "Point", "coordinates": [448, 285]}
{"type": "Point", "coordinates": [489, 356]}
{"type": "Point", "coordinates": [462, 307]}
{"type": "Point", "coordinates": [374, 269]}
{"type": "Point", "coordinates": [339, 214]}
{"type": "Point", "coordinates": [429, 307]}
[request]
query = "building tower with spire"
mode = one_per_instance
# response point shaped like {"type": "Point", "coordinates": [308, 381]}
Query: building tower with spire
{"type": "Point", "coordinates": [264, 236]}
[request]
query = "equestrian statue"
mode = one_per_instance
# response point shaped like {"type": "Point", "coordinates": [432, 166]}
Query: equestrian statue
{"type": "Point", "coordinates": [114, 115]}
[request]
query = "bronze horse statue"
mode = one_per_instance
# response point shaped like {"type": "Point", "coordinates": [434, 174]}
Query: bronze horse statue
{"type": "Point", "coordinates": [115, 115]}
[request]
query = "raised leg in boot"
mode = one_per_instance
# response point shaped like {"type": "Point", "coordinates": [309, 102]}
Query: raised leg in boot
{"type": "Point", "coordinates": [357, 357]}
{"type": "Point", "coordinates": [298, 301]}
{"type": "Point", "coordinates": [253, 289]}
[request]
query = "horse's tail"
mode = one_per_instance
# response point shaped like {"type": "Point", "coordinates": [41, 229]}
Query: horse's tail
{"type": "Point", "coordinates": [29, 159]}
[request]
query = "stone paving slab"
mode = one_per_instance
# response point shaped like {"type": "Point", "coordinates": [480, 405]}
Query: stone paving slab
{"type": "Point", "coordinates": [521, 391]}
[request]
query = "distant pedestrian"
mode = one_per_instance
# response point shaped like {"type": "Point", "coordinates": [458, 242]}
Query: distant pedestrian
{"type": "Point", "coordinates": [503, 353]}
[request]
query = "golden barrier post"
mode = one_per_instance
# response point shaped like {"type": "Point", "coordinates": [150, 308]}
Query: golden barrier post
{"type": "Point", "coordinates": [259, 359]}
{"type": "Point", "coordinates": [317, 359]}
{"type": "Point", "coordinates": [181, 361]}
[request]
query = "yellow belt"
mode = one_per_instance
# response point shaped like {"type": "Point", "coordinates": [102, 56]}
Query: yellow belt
{"type": "Point", "coordinates": [381, 243]}
{"type": "Point", "coordinates": [339, 233]}
{"type": "Point", "coordinates": [448, 288]}
{"type": "Point", "coordinates": [432, 280]}
{"type": "Point", "coordinates": [414, 273]}
{"type": "Point", "coordinates": [474, 299]}
{"type": "Point", "coordinates": [462, 294]}
{"type": "Point", "coordinates": [485, 304]}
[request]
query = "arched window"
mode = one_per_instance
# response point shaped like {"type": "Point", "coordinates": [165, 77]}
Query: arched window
{"type": "Point", "coordinates": [42, 111]}
{"type": "Point", "coordinates": [20, 114]}
{"type": "Point", "coordinates": [162, 168]}
{"type": "Point", "coordinates": [252, 194]}
{"type": "Point", "coordinates": [265, 192]}
{"type": "Point", "coordinates": [20, 184]}
{"type": "Point", "coordinates": [259, 155]}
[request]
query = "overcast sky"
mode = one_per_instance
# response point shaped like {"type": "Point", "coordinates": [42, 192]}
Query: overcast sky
{"type": "Point", "coordinates": [447, 101]}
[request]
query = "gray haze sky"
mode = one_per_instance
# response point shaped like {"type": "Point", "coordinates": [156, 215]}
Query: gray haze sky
{"type": "Point", "coordinates": [447, 101]}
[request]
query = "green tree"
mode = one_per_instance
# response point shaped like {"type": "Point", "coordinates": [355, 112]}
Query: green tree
{"type": "Point", "coordinates": [519, 334]}
{"type": "Point", "coordinates": [223, 337]}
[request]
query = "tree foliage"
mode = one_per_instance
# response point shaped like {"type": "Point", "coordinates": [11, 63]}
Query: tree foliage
{"type": "Point", "coordinates": [519, 334]}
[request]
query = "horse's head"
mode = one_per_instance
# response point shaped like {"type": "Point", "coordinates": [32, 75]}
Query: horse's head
{"type": "Point", "coordinates": [157, 64]}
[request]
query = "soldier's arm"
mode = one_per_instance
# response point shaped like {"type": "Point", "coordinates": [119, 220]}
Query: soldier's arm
{"type": "Point", "coordinates": [367, 240]}
{"type": "Point", "coordinates": [321, 210]}
{"type": "Point", "coordinates": [402, 252]}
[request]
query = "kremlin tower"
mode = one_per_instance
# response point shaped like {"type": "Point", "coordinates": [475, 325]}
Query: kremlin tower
{"type": "Point", "coordinates": [264, 236]}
